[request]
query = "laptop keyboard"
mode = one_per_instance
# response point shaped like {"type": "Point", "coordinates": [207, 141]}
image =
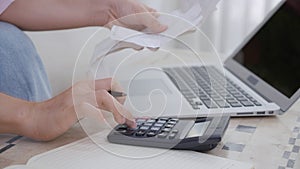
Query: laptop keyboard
{"type": "Point", "coordinates": [206, 85]}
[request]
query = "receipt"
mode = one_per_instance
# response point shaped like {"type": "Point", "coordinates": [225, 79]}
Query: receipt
{"type": "Point", "coordinates": [191, 14]}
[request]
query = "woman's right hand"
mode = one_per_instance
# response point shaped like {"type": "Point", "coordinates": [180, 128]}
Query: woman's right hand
{"type": "Point", "coordinates": [50, 119]}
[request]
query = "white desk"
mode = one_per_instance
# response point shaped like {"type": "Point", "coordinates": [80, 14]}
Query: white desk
{"type": "Point", "coordinates": [266, 142]}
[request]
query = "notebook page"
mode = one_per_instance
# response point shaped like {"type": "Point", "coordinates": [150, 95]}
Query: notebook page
{"type": "Point", "coordinates": [86, 154]}
{"type": "Point", "coordinates": [18, 167]}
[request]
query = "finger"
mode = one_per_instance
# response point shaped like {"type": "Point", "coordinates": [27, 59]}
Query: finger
{"type": "Point", "coordinates": [149, 9]}
{"type": "Point", "coordinates": [110, 84]}
{"type": "Point", "coordinates": [152, 23]}
{"type": "Point", "coordinates": [155, 14]}
{"type": "Point", "coordinates": [112, 23]}
{"type": "Point", "coordinates": [152, 11]}
{"type": "Point", "coordinates": [116, 86]}
{"type": "Point", "coordinates": [101, 84]}
{"type": "Point", "coordinates": [131, 123]}
{"type": "Point", "coordinates": [124, 24]}
{"type": "Point", "coordinates": [109, 103]}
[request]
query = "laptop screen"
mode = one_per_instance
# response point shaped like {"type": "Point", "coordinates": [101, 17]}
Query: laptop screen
{"type": "Point", "coordinates": [273, 54]}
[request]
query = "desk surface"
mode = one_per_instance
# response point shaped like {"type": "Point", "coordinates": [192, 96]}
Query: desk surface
{"type": "Point", "coordinates": [266, 142]}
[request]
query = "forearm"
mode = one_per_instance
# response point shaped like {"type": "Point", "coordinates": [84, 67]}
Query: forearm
{"type": "Point", "coordinates": [13, 113]}
{"type": "Point", "coordinates": [56, 14]}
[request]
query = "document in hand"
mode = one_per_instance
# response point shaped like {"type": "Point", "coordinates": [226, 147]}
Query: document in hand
{"type": "Point", "coordinates": [189, 15]}
{"type": "Point", "coordinates": [85, 154]}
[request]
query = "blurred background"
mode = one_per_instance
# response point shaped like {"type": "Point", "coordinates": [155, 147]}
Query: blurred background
{"type": "Point", "coordinates": [227, 27]}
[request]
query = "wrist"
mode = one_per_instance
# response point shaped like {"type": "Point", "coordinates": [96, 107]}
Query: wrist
{"type": "Point", "coordinates": [22, 117]}
{"type": "Point", "coordinates": [47, 120]}
{"type": "Point", "coordinates": [100, 11]}
{"type": "Point", "coordinates": [27, 119]}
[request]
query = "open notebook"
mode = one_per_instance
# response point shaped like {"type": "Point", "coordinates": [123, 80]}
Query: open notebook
{"type": "Point", "coordinates": [85, 154]}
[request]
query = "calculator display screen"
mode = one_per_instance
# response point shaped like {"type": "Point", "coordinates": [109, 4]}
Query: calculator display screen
{"type": "Point", "coordinates": [198, 129]}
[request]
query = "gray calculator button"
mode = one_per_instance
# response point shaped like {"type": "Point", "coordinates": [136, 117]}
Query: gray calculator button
{"type": "Point", "coordinates": [164, 119]}
{"type": "Point", "coordinates": [162, 135]}
{"type": "Point", "coordinates": [148, 124]}
{"type": "Point", "coordinates": [166, 129]}
{"type": "Point", "coordinates": [174, 131]}
{"type": "Point", "coordinates": [140, 133]}
{"type": "Point", "coordinates": [129, 132]}
{"type": "Point", "coordinates": [150, 121]}
{"type": "Point", "coordinates": [140, 120]}
{"type": "Point", "coordinates": [169, 126]}
{"type": "Point", "coordinates": [144, 128]}
{"type": "Point", "coordinates": [172, 135]}
{"type": "Point", "coordinates": [176, 120]}
{"type": "Point", "coordinates": [122, 128]}
{"type": "Point", "coordinates": [155, 128]}
{"type": "Point", "coordinates": [151, 134]}
{"type": "Point", "coordinates": [172, 122]}
{"type": "Point", "coordinates": [158, 124]}
{"type": "Point", "coordinates": [161, 121]}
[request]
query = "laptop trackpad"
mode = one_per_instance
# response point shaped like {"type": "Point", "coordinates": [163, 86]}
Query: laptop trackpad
{"type": "Point", "coordinates": [144, 87]}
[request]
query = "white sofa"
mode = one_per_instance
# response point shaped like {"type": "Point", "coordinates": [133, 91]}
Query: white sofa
{"type": "Point", "coordinates": [59, 51]}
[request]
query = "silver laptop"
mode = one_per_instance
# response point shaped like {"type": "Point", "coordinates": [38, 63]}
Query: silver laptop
{"type": "Point", "coordinates": [261, 78]}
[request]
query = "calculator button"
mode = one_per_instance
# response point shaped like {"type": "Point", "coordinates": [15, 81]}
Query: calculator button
{"type": "Point", "coordinates": [140, 133]}
{"type": "Point", "coordinates": [175, 120]}
{"type": "Point", "coordinates": [144, 128]}
{"type": "Point", "coordinates": [155, 129]}
{"type": "Point", "coordinates": [139, 124]}
{"type": "Point", "coordinates": [140, 120]}
{"type": "Point", "coordinates": [161, 121]}
{"type": "Point", "coordinates": [121, 127]}
{"type": "Point", "coordinates": [129, 132]}
{"type": "Point", "coordinates": [172, 135]}
{"type": "Point", "coordinates": [169, 126]}
{"type": "Point", "coordinates": [172, 122]}
{"type": "Point", "coordinates": [148, 124]}
{"type": "Point", "coordinates": [151, 134]}
{"type": "Point", "coordinates": [158, 124]}
{"type": "Point", "coordinates": [164, 119]}
{"type": "Point", "coordinates": [151, 121]}
{"type": "Point", "coordinates": [174, 131]}
{"type": "Point", "coordinates": [162, 135]}
{"type": "Point", "coordinates": [166, 130]}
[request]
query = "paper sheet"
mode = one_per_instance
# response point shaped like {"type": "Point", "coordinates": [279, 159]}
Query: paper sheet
{"type": "Point", "coordinates": [86, 154]}
{"type": "Point", "coordinates": [190, 14]}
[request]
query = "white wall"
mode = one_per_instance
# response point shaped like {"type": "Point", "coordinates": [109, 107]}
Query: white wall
{"type": "Point", "coordinates": [226, 28]}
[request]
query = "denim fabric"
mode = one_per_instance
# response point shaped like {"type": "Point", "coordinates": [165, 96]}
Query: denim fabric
{"type": "Point", "coordinates": [22, 72]}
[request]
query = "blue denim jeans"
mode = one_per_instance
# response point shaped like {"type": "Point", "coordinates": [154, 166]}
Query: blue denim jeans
{"type": "Point", "coordinates": [22, 73]}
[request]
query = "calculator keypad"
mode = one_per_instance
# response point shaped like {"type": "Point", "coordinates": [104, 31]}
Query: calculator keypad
{"type": "Point", "coordinates": [161, 128]}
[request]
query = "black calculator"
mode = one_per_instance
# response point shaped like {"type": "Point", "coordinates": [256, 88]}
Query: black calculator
{"type": "Point", "coordinates": [200, 134]}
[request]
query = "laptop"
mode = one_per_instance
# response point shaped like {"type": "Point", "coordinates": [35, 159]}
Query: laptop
{"type": "Point", "coordinates": [261, 78]}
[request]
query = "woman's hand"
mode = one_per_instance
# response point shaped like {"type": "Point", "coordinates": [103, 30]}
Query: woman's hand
{"type": "Point", "coordinates": [48, 120]}
{"type": "Point", "coordinates": [134, 15]}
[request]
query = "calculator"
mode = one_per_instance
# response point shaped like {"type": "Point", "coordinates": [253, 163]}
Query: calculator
{"type": "Point", "coordinates": [199, 134]}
